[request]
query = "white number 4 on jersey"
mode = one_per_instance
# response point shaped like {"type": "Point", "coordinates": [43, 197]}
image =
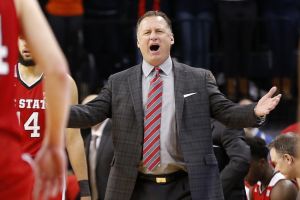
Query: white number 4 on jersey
{"type": "Point", "coordinates": [32, 124]}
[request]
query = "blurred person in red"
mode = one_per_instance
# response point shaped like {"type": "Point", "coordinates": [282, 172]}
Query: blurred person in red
{"type": "Point", "coordinates": [293, 128]}
{"type": "Point", "coordinates": [17, 18]}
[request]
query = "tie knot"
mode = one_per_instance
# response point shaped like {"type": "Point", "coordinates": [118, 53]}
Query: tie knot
{"type": "Point", "coordinates": [157, 71]}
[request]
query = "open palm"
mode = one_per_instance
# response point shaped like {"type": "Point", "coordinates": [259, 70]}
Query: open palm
{"type": "Point", "coordinates": [267, 103]}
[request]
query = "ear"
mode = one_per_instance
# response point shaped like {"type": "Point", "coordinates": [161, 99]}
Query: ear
{"type": "Point", "coordinates": [172, 39]}
{"type": "Point", "coordinates": [137, 43]}
{"type": "Point", "coordinates": [288, 158]}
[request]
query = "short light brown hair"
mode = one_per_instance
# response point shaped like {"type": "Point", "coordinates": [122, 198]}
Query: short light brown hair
{"type": "Point", "coordinates": [154, 13]}
{"type": "Point", "coordinates": [286, 144]}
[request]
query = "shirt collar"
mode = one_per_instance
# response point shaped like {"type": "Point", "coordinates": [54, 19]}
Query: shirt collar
{"type": "Point", "coordinates": [166, 67]}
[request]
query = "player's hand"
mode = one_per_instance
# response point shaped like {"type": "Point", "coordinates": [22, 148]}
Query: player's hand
{"type": "Point", "coordinates": [50, 169]}
{"type": "Point", "coordinates": [267, 103]}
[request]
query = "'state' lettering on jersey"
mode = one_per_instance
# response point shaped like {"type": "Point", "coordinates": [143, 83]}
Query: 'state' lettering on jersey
{"type": "Point", "coordinates": [30, 104]}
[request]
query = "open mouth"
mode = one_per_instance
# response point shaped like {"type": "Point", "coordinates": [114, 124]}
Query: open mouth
{"type": "Point", "coordinates": [154, 47]}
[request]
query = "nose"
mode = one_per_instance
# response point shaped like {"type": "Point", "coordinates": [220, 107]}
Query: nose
{"type": "Point", "coordinates": [153, 36]}
{"type": "Point", "coordinates": [25, 46]}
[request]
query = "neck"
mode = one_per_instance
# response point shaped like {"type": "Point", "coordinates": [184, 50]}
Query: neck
{"type": "Point", "coordinates": [29, 70]}
{"type": "Point", "coordinates": [267, 178]}
{"type": "Point", "coordinates": [29, 74]}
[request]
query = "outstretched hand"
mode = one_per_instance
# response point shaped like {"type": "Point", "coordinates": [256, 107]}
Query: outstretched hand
{"type": "Point", "coordinates": [267, 103]}
{"type": "Point", "coordinates": [50, 168]}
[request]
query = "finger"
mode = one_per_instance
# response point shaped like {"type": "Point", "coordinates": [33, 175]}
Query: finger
{"type": "Point", "coordinates": [60, 181]}
{"type": "Point", "coordinates": [274, 103]}
{"type": "Point", "coordinates": [38, 184]}
{"type": "Point", "coordinates": [42, 190]}
{"type": "Point", "coordinates": [275, 100]}
{"type": "Point", "coordinates": [36, 189]}
{"type": "Point", "coordinates": [47, 190]}
{"type": "Point", "coordinates": [63, 183]}
{"type": "Point", "coordinates": [278, 97]}
{"type": "Point", "coordinates": [55, 188]}
{"type": "Point", "coordinates": [271, 92]}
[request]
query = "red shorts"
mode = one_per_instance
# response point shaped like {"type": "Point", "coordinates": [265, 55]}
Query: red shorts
{"type": "Point", "coordinates": [16, 176]}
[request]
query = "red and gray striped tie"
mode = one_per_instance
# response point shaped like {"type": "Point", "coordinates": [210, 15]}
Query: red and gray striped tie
{"type": "Point", "coordinates": [151, 147]}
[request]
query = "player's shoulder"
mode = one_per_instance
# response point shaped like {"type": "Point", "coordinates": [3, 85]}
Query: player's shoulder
{"type": "Point", "coordinates": [284, 189]}
{"type": "Point", "coordinates": [284, 183]}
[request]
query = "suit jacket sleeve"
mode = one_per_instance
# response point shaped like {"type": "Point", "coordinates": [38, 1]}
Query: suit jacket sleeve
{"type": "Point", "coordinates": [239, 158]}
{"type": "Point", "coordinates": [227, 112]}
{"type": "Point", "coordinates": [94, 112]}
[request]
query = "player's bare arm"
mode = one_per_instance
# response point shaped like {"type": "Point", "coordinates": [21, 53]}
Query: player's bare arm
{"type": "Point", "coordinates": [75, 145]}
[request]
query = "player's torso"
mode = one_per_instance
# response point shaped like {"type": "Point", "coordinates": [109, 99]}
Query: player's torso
{"type": "Point", "coordinates": [30, 104]}
{"type": "Point", "coordinates": [258, 194]}
{"type": "Point", "coordinates": [9, 30]}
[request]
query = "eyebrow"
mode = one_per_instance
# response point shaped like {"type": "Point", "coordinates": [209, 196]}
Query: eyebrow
{"type": "Point", "coordinates": [155, 29]}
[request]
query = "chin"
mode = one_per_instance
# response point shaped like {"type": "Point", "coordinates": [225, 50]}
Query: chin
{"type": "Point", "coordinates": [154, 61]}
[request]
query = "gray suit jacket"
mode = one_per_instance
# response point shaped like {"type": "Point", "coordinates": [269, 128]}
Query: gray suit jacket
{"type": "Point", "coordinates": [121, 100]}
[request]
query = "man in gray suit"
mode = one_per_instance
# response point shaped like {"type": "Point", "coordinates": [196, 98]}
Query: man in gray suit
{"type": "Point", "coordinates": [187, 98]}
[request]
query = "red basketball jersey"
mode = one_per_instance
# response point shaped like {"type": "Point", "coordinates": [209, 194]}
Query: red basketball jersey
{"type": "Point", "coordinates": [9, 29]}
{"type": "Point", "coordinates": [257, 194]}
{"type": "Point", "coordinates": [31, 105]}
{"type": "Point", "coordinates": [16, 174]}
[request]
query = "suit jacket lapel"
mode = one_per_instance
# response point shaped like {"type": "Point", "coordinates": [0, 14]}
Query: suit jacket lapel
{"type": "Point", "coordinates": [179, 85]}
{"type": "Point", "coordinates": [135, 88]}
